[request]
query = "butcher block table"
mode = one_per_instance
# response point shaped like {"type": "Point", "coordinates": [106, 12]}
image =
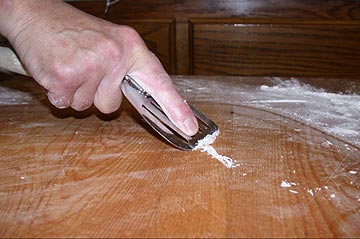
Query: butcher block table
{"type": "Point", "coordinates": [84, 174]}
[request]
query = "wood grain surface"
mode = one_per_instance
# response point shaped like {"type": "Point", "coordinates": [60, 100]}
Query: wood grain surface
{"type": "Point", "coordinates": [68, 174]}
{"type": "Point", "coordinates": [275, 48]}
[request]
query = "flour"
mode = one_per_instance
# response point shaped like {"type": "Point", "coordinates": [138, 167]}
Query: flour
{"type": "Point", "coordinates": [285, 184]}
{"type": "Point", "coordinates": [337, 114]}
{"type": "Point", "coordinates": [280, 101]}
{"type": "Point", "coordinates": [205, 146]}
{"type": "Point", "coordinates": [10, 96]}
{"type": "Point", "coordinates": [310, 191]}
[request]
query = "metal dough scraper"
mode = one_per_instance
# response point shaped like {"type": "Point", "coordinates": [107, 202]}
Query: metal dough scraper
{"type": "Point", "coordinates": [143, 103]}
{"type": "Point", "coordinates": [157, 119]}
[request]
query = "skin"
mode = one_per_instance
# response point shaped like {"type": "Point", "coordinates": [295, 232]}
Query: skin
{"type": "Point", "coordinates": [81, 60]}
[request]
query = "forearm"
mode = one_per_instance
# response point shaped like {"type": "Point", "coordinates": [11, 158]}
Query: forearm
{"type": "Point", "coordinates": [16, 15]}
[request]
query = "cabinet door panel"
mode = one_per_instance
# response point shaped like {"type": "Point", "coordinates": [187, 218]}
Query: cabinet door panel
{"type": "Point", "coordinates": [311, 49]}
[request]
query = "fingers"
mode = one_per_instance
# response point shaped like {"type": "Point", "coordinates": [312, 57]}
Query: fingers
{"type": "Point", "coordinates": [108, 98]}
{"type": "Point", "coordinates": [91, 77]}
{"type": "Point", "coordinates": [84, 96]}
{"type": "Point", "coordinates": [60, 101]}
{"type": "Point", "coordinates": [60, 86]}
{"type": "Point", "coordinates": [152, 77]}
{"type": "Point", "coordinates": [67, 88]}
{"type": "Point", "coordinates": [108, 95]}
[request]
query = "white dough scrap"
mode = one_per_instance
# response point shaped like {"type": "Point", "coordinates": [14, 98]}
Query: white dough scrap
{"type": "Point", "coordinates": [205, 146]}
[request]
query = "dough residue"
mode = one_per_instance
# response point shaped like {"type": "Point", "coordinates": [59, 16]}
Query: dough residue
{"type": "Point", "coordinates": [205, 146]}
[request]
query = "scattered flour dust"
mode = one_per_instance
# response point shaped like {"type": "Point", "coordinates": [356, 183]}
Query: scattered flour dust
{"type": "Point", "coordinates": [205, 146]}
{"type": "Point", "coordinates": [10, 96]}
{"type": "Point", "coordinates": [335, 113]}
{"type": "Point", "coordinates": [285, 184]}
{"type": "Point", "coordinates": [353, 172]}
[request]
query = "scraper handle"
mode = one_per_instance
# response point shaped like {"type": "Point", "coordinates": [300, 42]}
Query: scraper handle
{"type": "Point", "coordinates": [10, 62]}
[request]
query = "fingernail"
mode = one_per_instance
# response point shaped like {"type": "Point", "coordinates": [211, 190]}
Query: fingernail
{"type": "Point", "coordinates": [60, 102]}
{"type": "Point", "coordinates": [191, 126]}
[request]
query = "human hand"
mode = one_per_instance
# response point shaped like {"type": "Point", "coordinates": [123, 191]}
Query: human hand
{"type": "Point", "coordinates": [81, 60]}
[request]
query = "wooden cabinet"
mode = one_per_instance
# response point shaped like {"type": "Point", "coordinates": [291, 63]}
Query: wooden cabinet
{"type": "Point", "coordinates": [248, 37]}
{"type": "Point", "coordinates": [269, 47]}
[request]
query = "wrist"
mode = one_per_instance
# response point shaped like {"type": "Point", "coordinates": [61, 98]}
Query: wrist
{"type": "Point", "coordinates": [16, 15]}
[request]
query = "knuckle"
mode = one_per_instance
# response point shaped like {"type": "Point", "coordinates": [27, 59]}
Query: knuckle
{"type": "Point", "coordinates": [109, 48]}
{"type": "Point", "coordinates": [129, 32]}
{"type": "Point", "coordinates": [131, 36]}
{"type": "Point", "coordinates": [90, 65]}
{"type": "Point", "coordinates": [63, 74]}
